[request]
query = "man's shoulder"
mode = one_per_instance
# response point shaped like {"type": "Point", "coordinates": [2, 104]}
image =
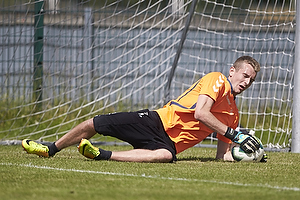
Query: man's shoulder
{"type": "Point", "coordinates": [215, 75]}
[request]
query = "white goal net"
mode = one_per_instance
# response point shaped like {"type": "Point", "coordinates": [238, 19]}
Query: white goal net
{"type": "Point", "coordinates": [64, 61]}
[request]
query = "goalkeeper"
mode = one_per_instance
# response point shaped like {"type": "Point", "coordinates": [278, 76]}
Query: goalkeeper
{"type": "Point", "coordinates": [157, 136]}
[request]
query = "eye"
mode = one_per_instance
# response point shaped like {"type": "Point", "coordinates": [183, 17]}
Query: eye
{"type": "Point", "coordinates": [246, 76]}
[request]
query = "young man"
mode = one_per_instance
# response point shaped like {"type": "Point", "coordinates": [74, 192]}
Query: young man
{"type": "Point", "coordinates": [157, 136]}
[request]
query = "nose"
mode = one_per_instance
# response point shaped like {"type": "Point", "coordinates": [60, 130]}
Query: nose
{"type": "Point", "coordinates": [248, 81]}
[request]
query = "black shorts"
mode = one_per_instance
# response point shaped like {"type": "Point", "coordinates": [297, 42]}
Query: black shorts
{"type": "Point", "coordinates": [142, 129]}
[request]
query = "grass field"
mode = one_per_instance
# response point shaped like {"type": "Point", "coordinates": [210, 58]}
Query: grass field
{"type": "Point", "coordinates": [196, 175]}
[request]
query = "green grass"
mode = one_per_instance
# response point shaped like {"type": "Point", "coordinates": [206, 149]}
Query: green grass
{"type": "Point", "coordinates": [196, 175]}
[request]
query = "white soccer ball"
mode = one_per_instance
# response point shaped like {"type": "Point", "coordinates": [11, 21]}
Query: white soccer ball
{"type": "Point", "coordinates": [239, 155]}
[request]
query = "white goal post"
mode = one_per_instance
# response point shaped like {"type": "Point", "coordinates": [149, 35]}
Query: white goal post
{"type": "Point", "coordinates": [295, 147]}
{"type": "Point", "coordinates": [64, 61]}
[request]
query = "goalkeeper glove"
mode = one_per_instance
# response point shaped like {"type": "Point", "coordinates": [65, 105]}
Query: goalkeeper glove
{"type": "Point", "coordinates": [247, 143]}
{"type": "Point", "coordinates": [264, 158]}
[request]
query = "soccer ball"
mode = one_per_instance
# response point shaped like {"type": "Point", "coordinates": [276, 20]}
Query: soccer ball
{"type": "Point", "coordinates": [239, 155]}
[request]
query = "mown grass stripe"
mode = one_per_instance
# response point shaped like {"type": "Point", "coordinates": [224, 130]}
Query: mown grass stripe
{"type": "Point", "coordinates": [154, 177]}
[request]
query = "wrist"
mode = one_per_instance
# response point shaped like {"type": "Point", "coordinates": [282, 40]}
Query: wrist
{"type": "Point", "coordinates": [230, 133]}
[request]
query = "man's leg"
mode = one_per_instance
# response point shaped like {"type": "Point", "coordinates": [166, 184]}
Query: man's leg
{"type": "Point", "coordinates": [142, 129]}
{"type": "Point", "coordinates": [135, 155]}
{"type": "Point", "coordinates": [83, 130]}
{"type": "Point", "coordinates": [142, 155]}
{"type": "Point", "coordinates": [74, 136]}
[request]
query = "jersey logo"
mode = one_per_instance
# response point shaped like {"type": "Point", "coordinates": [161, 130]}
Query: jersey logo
{"type": "Point", "coordinates": [142, 114]}
{"type": "Point", "coordinates": [218, 84]}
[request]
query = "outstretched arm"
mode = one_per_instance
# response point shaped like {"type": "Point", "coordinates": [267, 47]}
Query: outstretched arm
{"type": "Point", "coordinates": [203, 114]}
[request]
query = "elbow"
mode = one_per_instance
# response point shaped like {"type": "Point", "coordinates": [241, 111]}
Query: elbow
{"type": "Point", "coordinates": [202, 116]}
{"type": "Point", "coordinates": [199, 116]}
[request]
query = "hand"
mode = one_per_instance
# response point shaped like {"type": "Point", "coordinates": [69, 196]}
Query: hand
{"type": "Point", "coordinates": [247, 143]}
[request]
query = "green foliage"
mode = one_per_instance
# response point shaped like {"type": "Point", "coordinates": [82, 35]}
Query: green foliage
{"type": "Point", "coordinates": [275, 124]}
{"type": "Point", "coordinates": [196, 175]}
{"type": "Point", "coordinates": [19, 118]}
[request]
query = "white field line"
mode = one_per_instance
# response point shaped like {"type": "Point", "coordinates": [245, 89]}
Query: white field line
{"type": "Point", "coordinates": [155, 177]}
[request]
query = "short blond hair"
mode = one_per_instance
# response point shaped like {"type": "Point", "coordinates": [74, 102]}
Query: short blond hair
{"type": "Point", "coordinates": [249, 60]}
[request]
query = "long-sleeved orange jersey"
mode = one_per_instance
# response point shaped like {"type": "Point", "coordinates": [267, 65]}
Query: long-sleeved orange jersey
{"type": "Point", "coordinates": [178, 115]}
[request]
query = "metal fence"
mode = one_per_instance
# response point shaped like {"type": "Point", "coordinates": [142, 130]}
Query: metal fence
{"type": "Point", "coordinates": [68, 46]}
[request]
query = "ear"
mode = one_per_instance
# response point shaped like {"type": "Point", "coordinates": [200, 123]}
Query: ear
{"type": "Point", "coordinates": [231, 71]}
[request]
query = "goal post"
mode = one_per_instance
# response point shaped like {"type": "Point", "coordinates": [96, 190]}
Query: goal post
{"type": "Point", "coordinates": [124, 55]}
{"type": "Point", "coordinates": [295, 147]}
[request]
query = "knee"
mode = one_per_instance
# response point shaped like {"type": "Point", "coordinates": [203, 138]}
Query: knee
{"type": "Point", "coordinates": [164, 155]}
{"type": "Point", "coordinates": [88, 126]}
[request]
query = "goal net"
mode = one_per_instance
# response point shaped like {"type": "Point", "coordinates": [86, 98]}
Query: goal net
{"type": "Point", "coordinates": [64, 61]}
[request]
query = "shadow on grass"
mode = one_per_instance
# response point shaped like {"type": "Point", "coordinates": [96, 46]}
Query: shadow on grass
{"type": "Point", "coordinates": [194, 158]}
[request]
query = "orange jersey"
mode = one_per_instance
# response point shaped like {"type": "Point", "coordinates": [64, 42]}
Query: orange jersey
{"type": "Point", "coordinates": [178, 115]}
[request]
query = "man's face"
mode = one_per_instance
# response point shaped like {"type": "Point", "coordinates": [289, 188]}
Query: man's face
{"type": "Point", "coordinates": [242, 78]}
